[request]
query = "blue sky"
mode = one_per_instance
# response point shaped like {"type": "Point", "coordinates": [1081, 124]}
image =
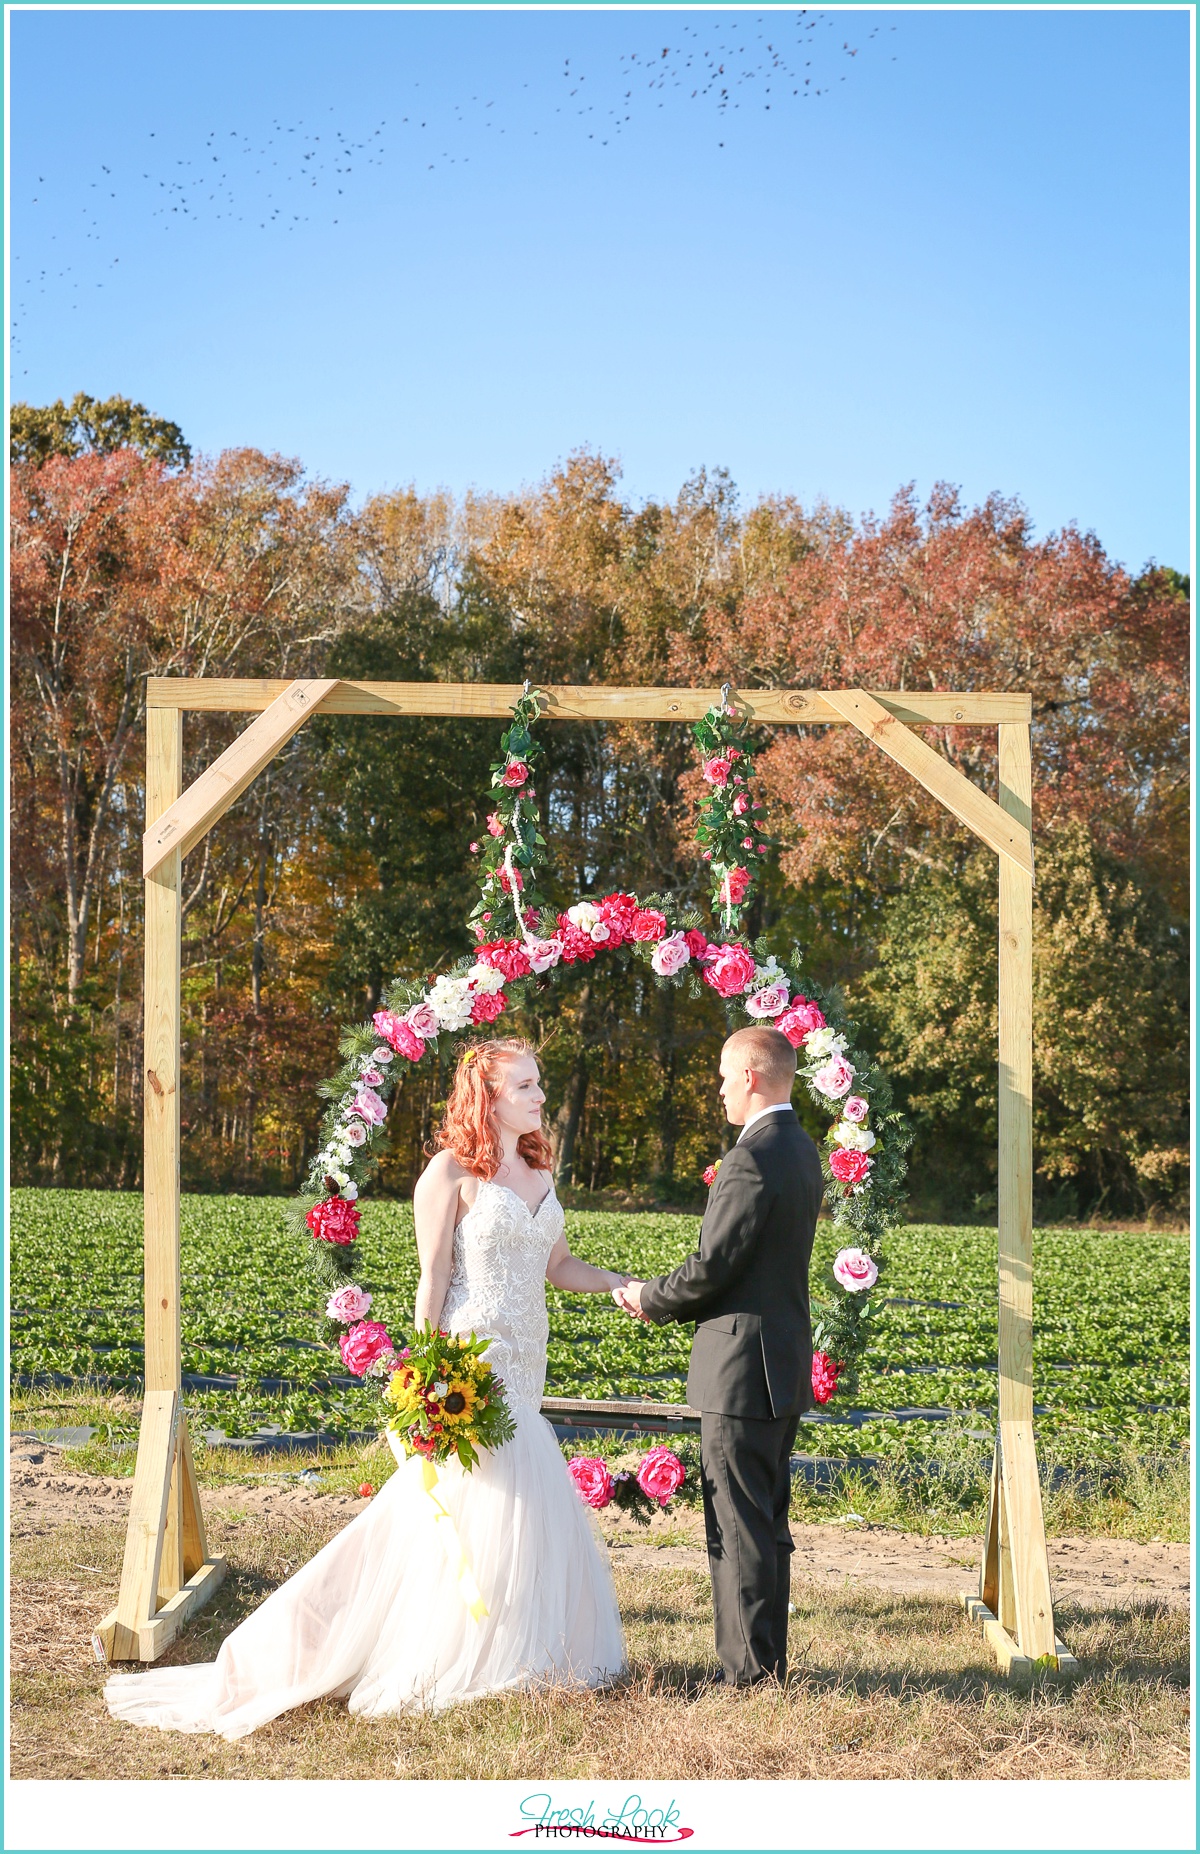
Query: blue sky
{"type": "Point", "coordinates": [965, 258]}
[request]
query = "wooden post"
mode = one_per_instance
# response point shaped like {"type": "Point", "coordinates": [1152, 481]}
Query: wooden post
{"type": "Point", "coordinates": [1015, 1574]}
{"type": "Point", "coordinates": [164, 1524]}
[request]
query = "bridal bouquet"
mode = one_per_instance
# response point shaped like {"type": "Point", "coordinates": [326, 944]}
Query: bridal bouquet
{"type": "Point", "coordinates": [446, 1398]}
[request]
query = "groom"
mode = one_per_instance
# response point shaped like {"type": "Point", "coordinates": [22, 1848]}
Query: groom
{"type": "Point", "coordinates": [750, 1377]}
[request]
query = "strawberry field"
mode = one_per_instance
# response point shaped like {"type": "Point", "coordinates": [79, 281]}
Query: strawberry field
{"type": "Point", "coordinates": [1110, 1345]}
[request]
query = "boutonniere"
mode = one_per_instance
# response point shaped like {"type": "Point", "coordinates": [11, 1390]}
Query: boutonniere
{"type": "Point", "coordinates": [709, 1174]}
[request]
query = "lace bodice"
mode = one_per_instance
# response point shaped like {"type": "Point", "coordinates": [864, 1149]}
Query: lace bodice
{"type": "Point", "coordinates": [498, 1284]}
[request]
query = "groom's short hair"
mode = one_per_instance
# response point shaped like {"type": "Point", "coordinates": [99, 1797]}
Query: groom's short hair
{"type": "Point", "coordinates": [766, 1051]}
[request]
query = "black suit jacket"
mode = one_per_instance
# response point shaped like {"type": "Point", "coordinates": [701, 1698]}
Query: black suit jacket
{"type": "Point", "coordinates": [746, 1286]}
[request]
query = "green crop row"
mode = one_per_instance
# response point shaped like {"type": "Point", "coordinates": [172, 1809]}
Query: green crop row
{"type": "Point", "coordinates": [1110, 1345]}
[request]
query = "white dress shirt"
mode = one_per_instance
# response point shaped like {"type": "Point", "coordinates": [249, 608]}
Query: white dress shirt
{"type": "Point", "coordinates": [776, 1107]}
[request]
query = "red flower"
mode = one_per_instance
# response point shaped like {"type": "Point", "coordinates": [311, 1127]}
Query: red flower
{"type": "Point", "coordinates": [802, 1017]}
{"type": "Point", "coordinates": [737, 882]}
{"type": "Point", "coordinates": [618, 912]}
{"type": "Point", "coordinates": [575, 943]}
{"type": "Point", "coordinates": [401, 1036]}
{"type": "Point", "coordinates": [697, 944]}
{"type": "Point", "coordinates": [730, 971]}
{"type": "Point", "coordinates": [825, 1374]}
{"type": "Point", "coordinates": [506, 885]}
{"type": "Point", "coordinates": [849, 1167]}
{"type": "Point", "coordinates": [515, 774]}
{"type": "Point", "coordinates": [334, 1219]}
{"type": "Point", "coordinates": [648, 924]}
{"type": "Point", "coordinates": [486, 1006]}
{"type": "Point", "coordinates": [709, 1175]}
{"type": "Point", "coordinates": [507, 956]}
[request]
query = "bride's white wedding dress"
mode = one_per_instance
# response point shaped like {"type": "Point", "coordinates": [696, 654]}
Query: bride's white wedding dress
{"type": "Point", "coordinates": [377, 1617]}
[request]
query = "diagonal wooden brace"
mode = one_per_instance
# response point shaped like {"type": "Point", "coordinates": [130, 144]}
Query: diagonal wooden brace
{"type": "Point", "coordinates": [182, 825]}
{"type": "Point", "coordinates": [971, 806]}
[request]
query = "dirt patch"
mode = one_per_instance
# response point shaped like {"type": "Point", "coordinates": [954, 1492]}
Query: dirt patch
{"type": "Point", "coordinates": [1088, 1571]}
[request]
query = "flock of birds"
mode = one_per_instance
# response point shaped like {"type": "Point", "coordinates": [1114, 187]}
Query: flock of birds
{"type": "Point", "coordinates": [280, 180]}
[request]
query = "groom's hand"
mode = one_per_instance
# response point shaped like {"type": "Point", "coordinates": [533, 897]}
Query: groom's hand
{"type": "Point", "coordinates": [629, 1297]}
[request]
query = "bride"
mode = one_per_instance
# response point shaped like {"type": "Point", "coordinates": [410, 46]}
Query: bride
{"type": "Point", "coordinates": [377, 1617]}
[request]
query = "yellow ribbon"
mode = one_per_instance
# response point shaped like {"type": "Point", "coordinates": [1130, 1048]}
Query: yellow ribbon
{"type": "Point", "coordinates": [468, 1589]}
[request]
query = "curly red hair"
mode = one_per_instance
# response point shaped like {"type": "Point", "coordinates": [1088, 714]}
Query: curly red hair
{"type": "Point", "coordinates": [470, 1129]}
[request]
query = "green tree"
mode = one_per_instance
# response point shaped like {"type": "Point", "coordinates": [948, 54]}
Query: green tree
{"type": "Point", "coordinates": [1110, 1014]}
{"type": "Point", "coordinates": [99, 425]}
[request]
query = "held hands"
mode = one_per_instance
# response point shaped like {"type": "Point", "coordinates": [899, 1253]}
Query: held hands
{"type": "Point", "coordinates": [629, 1298]}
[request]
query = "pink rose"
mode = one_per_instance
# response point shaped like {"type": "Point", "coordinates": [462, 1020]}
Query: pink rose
{"type": "Point", "coordinates": [849, 1167]}
{"type": "Point", "coordinates": [855, 1109]}
{"type": "Point", "coordinates": [648, 924]}
{"type": "Point", "coordinates": [422, 1019]}
{"type": "Point", "coordinates": [355, 1133]}
{"type": "Point", "coordinates": [716, 770]}
{"type": "Point", "coordinates": [734, 886]}
{"type": "Point", "coordinates": [741, 804]}
{"type": "Point", "coordinates": [334, 1220]}
{"type": "Point", "coordinates": [381, 1056]}
{"type": "Point", "coordinates": [348, 1304]}
{"type": "Point", "coordinates": [507, 885]}
{"type": "Point", "coordinates": [660, 1474]}
{"type": "Point", "coordinates": [486, 1006]}
{"type": "Point", "coordinates": [768, 1002]}
{"type": "Point", "coordinates": [362, 1345]}
{"type": "Point", "coordinates": [670, 955]}
{"type": "Point", "coordinates": [790, 1026]}
{"type": "Point", "coordinates": [515, 774]}
{"type": "Point", "coordinates": [731, 972]}
{"type": "Point", "coordinates": [400, 1035]}
{"type": "Point", "coordinates": [544, 953]}
{"type": "Point", "coordinates": [854, 1270]}
{"type": "Point", "coordinates": [495, 827]}
{"type": "Point", "coordinates": [592, 1479]}
{"type": "Point", "coordinates": [835, 1078]}
{"type": "Point", "coordinates": [369, 1107]}
{"type": "Point", "coordinates": [371, 1076]}
{"type": "Point", "coordinates": [809, 1015]}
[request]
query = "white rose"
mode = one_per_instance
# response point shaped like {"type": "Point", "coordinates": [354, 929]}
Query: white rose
{"type": "Point", "coordinates": [486, 978]}
{"type": "Point", "coordinates": [854, 1139]}
{"type": "Point", "coordinates": [585, 915]}
{"type": "Point", "coordinates": [824, 1042]}
{"type": "Point", "coordinates": [450, 999]}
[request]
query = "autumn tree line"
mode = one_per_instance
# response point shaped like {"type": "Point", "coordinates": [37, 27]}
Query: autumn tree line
{"type": "Point", "coordinates": [348, 861]}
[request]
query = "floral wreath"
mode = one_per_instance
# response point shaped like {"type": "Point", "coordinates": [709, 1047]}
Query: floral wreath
{"type": "Point", "coordinates": [521, 941]}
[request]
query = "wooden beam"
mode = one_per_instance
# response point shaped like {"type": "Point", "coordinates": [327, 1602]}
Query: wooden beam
{"type": "Point", "coordinates": [157, 1632]}
{"type": "Point", "coordinates": [1015, 1102]}
{"type": "Point", "coordinates": [570, 702]}
{"type": "Point", "coordinates": [138, 1597]}
{"type": "Point", "coordinates": [160, 1092]}
{"type": "Point", "coordinates": [968, 804]}
{"type": "Point", "coordinates": [184, 823]}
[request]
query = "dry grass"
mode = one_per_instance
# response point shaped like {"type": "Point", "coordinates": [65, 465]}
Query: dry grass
{"type": "Point", "coordinates": [882, 1686]}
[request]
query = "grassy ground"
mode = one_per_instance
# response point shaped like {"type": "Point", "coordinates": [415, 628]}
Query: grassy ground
{"type": "Point", "coordinates": [882, 1687]}
{"type": "Point", "coordinates": [1143, 1496]}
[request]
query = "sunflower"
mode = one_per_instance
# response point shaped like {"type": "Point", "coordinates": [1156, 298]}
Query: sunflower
{"type": "Point", "coordinates": [458, 1404]}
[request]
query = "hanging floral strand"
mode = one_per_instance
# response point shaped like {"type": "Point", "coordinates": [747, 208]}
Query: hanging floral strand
{"type": "Point", "coordinates": [514, 847]}
{"type": "Point", "coordinates": [730, 831]}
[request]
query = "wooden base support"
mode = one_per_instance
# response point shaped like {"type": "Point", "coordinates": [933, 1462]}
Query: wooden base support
{"type": "Point", "coordinates": [167, 1573]}
{"type": "Point", "coordinates": [1015, 1666]}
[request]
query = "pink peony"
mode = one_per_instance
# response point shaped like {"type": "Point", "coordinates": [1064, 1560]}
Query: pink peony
{"type": "Point", "coordinates": [515, 774]}
{"type": "Point", "coordinates": [506, 956]}
{"type": "Point", "coordinates": [709, 1175]}
{"type": "Point", "coordinates": [618, 912]}
{"type": "Point", "coordinates": [495, 827]}
{"type": "Point", "coordinates": [768, 1002]}
{"type": "Point", "coordinates": [334, 1220]}
{"type": "Point", "coordinates": [369, 1107]}
{"type": "Point", "coordinates": [849, 1167]}
{"type": "Point", "coordinates": [400, 1035]}
{"type": "Point", "coordinates": [716, 770]}
{"type": "Point", "coordinates": [855, 1109]}
{"type": "Point", "coordinates": [661, 1472]}
{"type": "Point", "coordinates": [791, 1028]}
{"type": "Point", "coordinates": [835, 1078]}
{"type": "Point", "coordinates": [486, 1006]}
{"type": "Point", "coordinates": [592, 1479]}
{"type": "Point", "coordinates": [576, 943]}
{"type": "Point", "coordinates": [670, 955]}
{"type": "Point", "coordinates": [422, 1019]}
{"type": "Point", "coordinates": [731, 971]}
{"type": "Point", "coordinates": [741, 804]}
{"type": "Point", "coordinates": [348, 1304]}
{"type": "Point", "coordinates": [697, 945]}
{"type": "Point", "coordinates": [648, 924]}
{"type": "Point", "coordinates": [811, 1015]}
{"type": "Point", "coordinates": [854, 1270]}
{"type": "Point", "coordinates": [362, 1345]}
{"type": "Point", "coordinates": [825, 1374]}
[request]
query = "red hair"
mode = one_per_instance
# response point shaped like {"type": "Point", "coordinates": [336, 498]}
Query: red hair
{"type": "Point", "coordinates": [470, 1129]}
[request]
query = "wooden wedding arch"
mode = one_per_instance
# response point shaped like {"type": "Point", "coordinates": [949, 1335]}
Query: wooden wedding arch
{"type": "Point", "coordinates": [168, 1571]}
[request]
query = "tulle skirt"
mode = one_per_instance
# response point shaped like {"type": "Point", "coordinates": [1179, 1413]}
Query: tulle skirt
{"type": "Point", "coordinates": [378, 1617]}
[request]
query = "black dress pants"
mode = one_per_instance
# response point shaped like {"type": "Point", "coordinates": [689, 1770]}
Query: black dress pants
{"type": "Point", "coordinates": [746, 1479]}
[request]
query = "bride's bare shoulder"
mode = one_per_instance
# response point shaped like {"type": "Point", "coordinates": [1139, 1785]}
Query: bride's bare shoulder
{"type": "Point", "coordinates": [443, 1175]}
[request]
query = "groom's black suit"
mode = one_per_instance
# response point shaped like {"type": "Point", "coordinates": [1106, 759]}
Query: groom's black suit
{"type": "Point", "coordinates": [750, 1377]}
